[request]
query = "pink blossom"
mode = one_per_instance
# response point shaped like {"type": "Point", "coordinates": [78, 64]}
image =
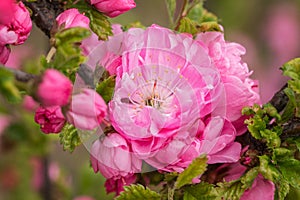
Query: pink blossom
{"type": "Point", "coordinates": [112, 157]}
{"type": "Point", "coordinates": [174, 98]}
{"type": "Point", "coordinates": [72, 18]}
{"type": "Point", "coordinates": [216, 141]}
{"type": "Point", "coordinates": [117, 185]}
{"type": "Point", "coordinates": [6, 10]}
{"type": "Point", "coordinates": [4, 54]}
{"type": "Point", "coordinates": [18, 29]}
{"type": "Point", "coordinates": [113, 8]}
{"type": "Point", "coordinates": [110, 49]}
{"type": "Point", "coordinates": [261, 189]}
{"type": "Point", "coordinates": [241, 91]}
{"type": "Point", "coordinates": [55, 89]}
{"type": "Point", "coordinates": [50, 119]}
{"type": "Point", "coordinates": [87, 110]}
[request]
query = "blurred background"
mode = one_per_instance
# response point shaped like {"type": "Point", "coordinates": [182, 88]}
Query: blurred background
{"type": "Point", "coordinates": [34, 166]}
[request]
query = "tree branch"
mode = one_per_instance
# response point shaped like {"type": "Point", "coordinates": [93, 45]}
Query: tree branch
{"type": "Point", "coordinates": [280, 99]}
{"type": "Point", "coordinates": [20, 75]}
{"type": "Point", "coordinates": [44, 13]}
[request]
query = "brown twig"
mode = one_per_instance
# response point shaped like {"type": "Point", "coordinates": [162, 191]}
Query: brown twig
{"type": "Point", "coordinates": [44, 13]}
{"type": "Point", "coordinates": [280, 99]}
{"type": "Point", "coordinates": [20, 75]}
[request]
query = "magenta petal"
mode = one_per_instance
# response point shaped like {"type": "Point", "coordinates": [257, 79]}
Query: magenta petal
{"type": "Point", "coordinates": [261, 189]}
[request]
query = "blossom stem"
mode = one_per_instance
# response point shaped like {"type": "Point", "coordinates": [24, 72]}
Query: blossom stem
{"type": "Point", "coordinates": [50, 54]}
{"type": "Point", "coordinates": [180, 12]}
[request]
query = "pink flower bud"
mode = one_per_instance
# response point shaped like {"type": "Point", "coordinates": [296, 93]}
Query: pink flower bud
{"type": "Point", "coordinates": [87, 110]}
{"type": "Point", "coordinates": [17, 30]}
{"type": "Point", "coordinates": [113, 8]}
{"type": "Point", "coordinates": [6, 10]}
{"type": "Point", "coordinates": [112, 157]}
{"type": "Point", "coordinates": [55, 89]}
{"type": "Point", "coordinates": [72, 18]}
{"type": "Point", "coordinates": [4, 54]}
{"type": "Point", "coordinates": [50, 119]}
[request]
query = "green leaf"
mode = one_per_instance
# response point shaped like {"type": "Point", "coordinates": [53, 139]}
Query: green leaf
{"type": "Point", "coordinates": [268, 170]}
{"type": "Point", "coordinates": [249, 177]}
{"type": "Point", "coordinates": [99, 23]}
{"type": "Point", "coordinates": [106, 88]}
{"type": "Point", "coordinates": [231, 190]}
{"type": "Point", "coordinates": [196, 13]}
{"type": "Point", "coordinates": [209, 26]}
{"type": "Point", "coordinates": [69, 138]}
{"type": "Point", "coordinates": [171, 176]}
{"type": "Point", "coordinates": [273, 140]}
{"type": "Point", "coordinates": [289, 109]}
{"type": "Point", "coordinates": [290, 170]}
{"type": "Point", "coordinates": [134, 192]}
{"type": "Point", "coordinates": [292, 69]}
{"type": "Point", "coordinates": [271, 111]}
{"type": "Point", "coordinates": [208, 17]}
{"type": "Point", "coordinates": [7, 86]}
{"type": "Point", "coordinates": [68, 55]}
{"type": "Point", "coordinates": [281, 154]}
{"type": "Point", "coordinates": [196, 168]}
{"type": "Point", "coordinates": [297, 142]}
{"type": "Point", "coordinates": [188, 196]}
{"type": "Point", "coordinates": [187, 26]}
{"type": "Point", "coordinates": [136, 24]}
{"type": "Point", "coordinates": [261, 119]}
{"type": "Point", "coordinates": [283, 188]}
{"type": "Point", "coordinates": [202, 191]}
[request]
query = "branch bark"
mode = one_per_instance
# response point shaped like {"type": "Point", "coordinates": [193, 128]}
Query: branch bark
{"type": "Point", "coordinates": [44, 13]}
{"type": "Point", "coordinates": [280, 99]}
{"type": "Point", "coordinates": [20, 75]}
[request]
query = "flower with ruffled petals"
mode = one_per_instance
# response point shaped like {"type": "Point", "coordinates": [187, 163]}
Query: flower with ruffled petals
{"type": "Point", "coordinates": [216, 142]}
{"type": "Point", "coordinates": [72, 18]}
{"type": "Point", "coordinates": [175, 97]}
{"type": "Point", "coordinates": [241, 91]}
{"type": "Point", "coordinates": [87, 110]}
{"type": "Point", "coordinates": [50, 119]}
{"type": "Point", "coordinates": [113, 8]}
{"type": "Point", "coordinates": [17, 30]}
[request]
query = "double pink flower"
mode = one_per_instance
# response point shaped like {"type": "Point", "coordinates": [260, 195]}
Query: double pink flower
{"type": "Point", "coordinates": [15, 26]}
{"type": "Point", "coordinates": [175, 97]}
